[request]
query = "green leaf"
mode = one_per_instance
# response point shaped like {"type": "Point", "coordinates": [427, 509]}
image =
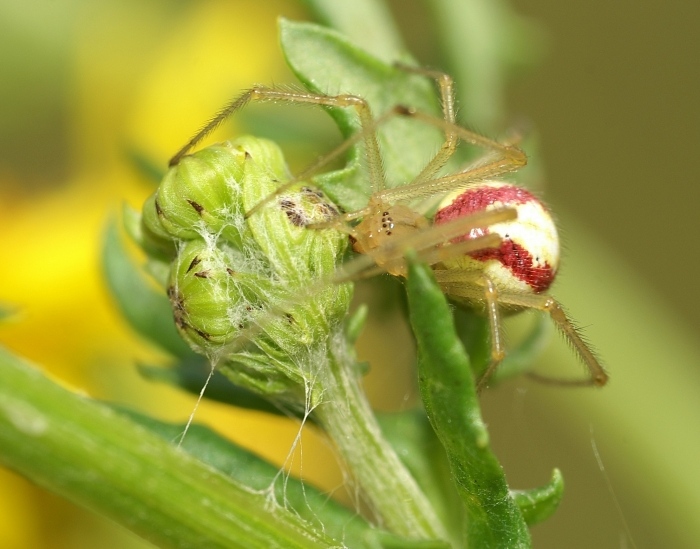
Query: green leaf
{"type": "Point", "coordinates": [449, 396]}
{"type": "Point", "coordinates": [98, 458]}
{"type": "Point", "coordinates": [147, 310]}
{"type": "Point", "coordinates": [144, 165]}
{"type": "Point", "coordinates": [539, 504]}
{"type": "Point", "coordinates": [474, 332]}
{"type": "Point", "coordinates": [327, 62]}
{"type": "Point", "coordinates": [366, 22]}
{"type": "Point", "coordinates": [192, 373]}
{"type": "Point", "coordinates": [355, 323]}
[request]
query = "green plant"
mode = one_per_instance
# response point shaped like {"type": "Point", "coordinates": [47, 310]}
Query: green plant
{"type": "Point", "coordinates": [417, 500]}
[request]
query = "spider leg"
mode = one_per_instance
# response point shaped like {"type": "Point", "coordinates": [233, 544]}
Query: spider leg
{"type": "Point", "coordinates": [548, 304]}
{"type": "Point", "coordinates": [476, 287]}
{"type": "Point", "coordinates": [501, 158]}
{"type": "Point", "coordinates": [445, 85]}
{"type": "Point", "coordinates": [263, 93]}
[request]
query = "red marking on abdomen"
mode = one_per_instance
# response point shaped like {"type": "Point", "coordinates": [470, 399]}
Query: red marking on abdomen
{"type": "Point", "coordinates": [478, 199]}
{"type": "Point", "coordinates": [519, 262]}
{"type": "Point", "coordinates": [515, 257]}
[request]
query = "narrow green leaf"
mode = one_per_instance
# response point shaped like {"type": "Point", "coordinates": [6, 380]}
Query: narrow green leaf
{"type": "Point", "coordinates": [355, 323]}
{"type": "Point", "coordinates": [144, 165]}
{"type": "Point", "coordinates": [450, 400]}
{"type": "Point", "coordinates": [539, 504]}
{"type": "Point", "coordinates": [192, 373]}
{"type": "Point", "coordinates": [98, 458]}
{"type": "Point", "coordinates": [474, 332]}
{"type": "Point", "coordinates": [147, 310]}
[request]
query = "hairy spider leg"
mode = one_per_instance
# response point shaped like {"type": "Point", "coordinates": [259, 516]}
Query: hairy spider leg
{"type": "Point", "coordinates": [263, 93]}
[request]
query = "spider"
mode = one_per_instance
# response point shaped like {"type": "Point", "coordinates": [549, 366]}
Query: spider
{"type": "Point", "coordinates": [493, 246]}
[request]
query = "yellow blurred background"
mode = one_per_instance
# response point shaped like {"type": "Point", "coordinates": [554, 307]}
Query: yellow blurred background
{"type": "Point", "coordinates": [615, 103]}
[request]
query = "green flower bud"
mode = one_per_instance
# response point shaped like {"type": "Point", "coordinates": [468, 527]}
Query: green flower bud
{"type": "Point", "coordinates": [206, 304]}
{"type": "Point", "coordinates": [251, 294]}
{"type": "Point", "coordinates": [153, 237]}
{"type": "Point", "coordinates": [201, 195]}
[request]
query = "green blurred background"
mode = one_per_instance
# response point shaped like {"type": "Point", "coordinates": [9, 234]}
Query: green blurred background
{"type": "Point", "coordinates": [614, 103]}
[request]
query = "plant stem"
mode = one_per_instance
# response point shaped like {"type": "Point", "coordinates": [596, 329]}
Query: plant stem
{"type": "Point", "coordinates": [347, 418]}
{"type": "Point", "coordinates": [98, 458]}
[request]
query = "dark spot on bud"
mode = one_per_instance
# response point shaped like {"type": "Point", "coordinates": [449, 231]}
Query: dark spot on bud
{"type": "Point", "coordinates": [178, 305]}
{"type": "Point", "coordinates": [293, 212]}
{"type": "Point", "coordinates": [202, 334]}
{"type": "Point", "coordinates": [295, 218]}
{"type": "Point", "coordinates": [175, 298]}
{"type": "Point", "coordinates": [196, 261]}
{"type": "Point", "coordinates": [312, 192]}
{"type": "Point", "coordinates": [247, 155]}
{"type": "Point", "coordinates": [159, 210]}
{"type": "Point", "coordinates": [202, 274]}
{"type": "Point", "coordinates": [307, 206]}
{"type": "Point", "coordinates": [289, 318]}
{"type": "Point", "coordinates": [230, 271]}
{"type": "Point", "coordinates": [329, 211]}
{"type": "Point", "coordinates": [198, 207]}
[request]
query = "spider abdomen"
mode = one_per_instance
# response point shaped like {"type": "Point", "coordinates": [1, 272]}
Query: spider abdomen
{"type": "Point", "coordinates": [528, 257]}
